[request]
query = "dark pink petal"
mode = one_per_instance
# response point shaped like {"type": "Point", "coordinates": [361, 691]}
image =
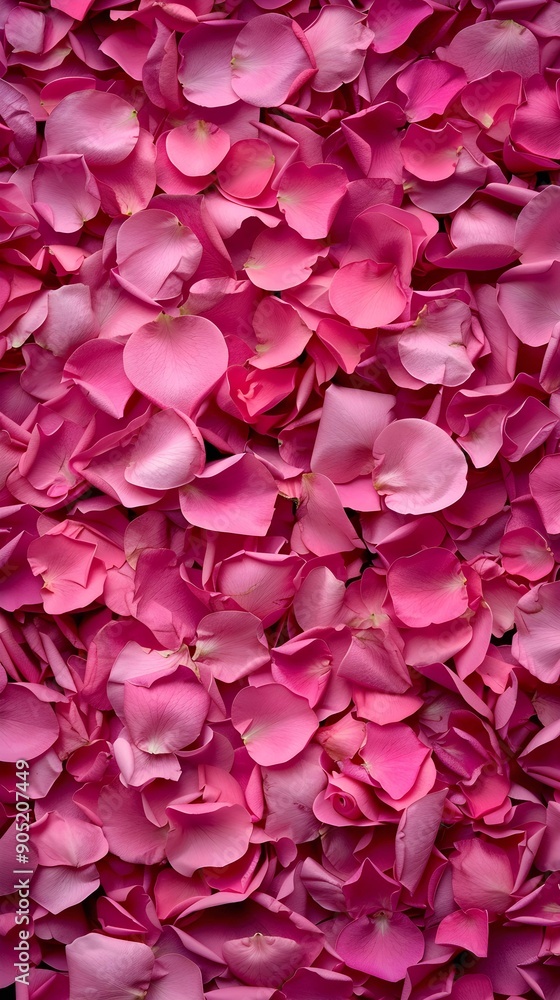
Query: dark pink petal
{"type": "Point", "coordinates": [482, 876]}
{"type": "Point", "coordinates": [274, 724]}
{"type": "Point", "coordinates": [419, 469]}
{"type": "Point", "coordinates": [209, 834]}
{"type": "Point", "coordinates": [235, 495]}
{"type": "Point", "coordinates": [28, 726]}
{"type": "Point", "coordinates": [176, 362]}
{"type": "Point", "coordinates": [196, 148]}
{"type": "Point", "coordinates": [309, 197]}
{"type": "Point", "coordinates": [392, 26]}
{"type": "Point", "coordinates": [536, 124]}
{"type": "Point", "coordinates": [98, 126]}
{"type": "Point", "coordinates": [384, 945]}
{"type": "Point", "coordinates": [428, 588]}
{"type": "Point", "coordinates": [269, 61]}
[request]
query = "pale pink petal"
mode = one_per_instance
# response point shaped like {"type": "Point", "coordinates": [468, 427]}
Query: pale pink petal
{"type": "Point", "coordinates": [490, 45]}
{"type": "Point", "coordinates": [176, 362]}
{"type": "Point", "coordinates": [169, 451]}
{"type": "Point", "coordinates": [221, 635]}
{"type": "Point", "coordinates": [309, 197]}
{"type": "Point", "coordinates": [281, 333]}
{"type": "Point", "coordinates": [97, 367]}
{"type": "Point", "coordinates": [419, 468]}
{"type": "Point", "coordinates": [529, 297]}
{"type": "Point", "coordinates": [72, 842]}
{"type": "Point", "coordinates": [209, 834]}
{"type": "Point", "coordinates": [28, 726]}
{"type": "Point", "coordinates": [433, 348]}
{"type": "Point", "coordinates": [274, 724]}
{"type": "Point", "coordinates": [108, 967]}
{"type": "Point", "coordinates": [428, 588]}
{"type": "Point", "coordinates": [393, 755]}
{"type": "Point", "coordinates": [156, 253]}
{"type": "Point", "coordinates": [351, 421]}
{"type": "Point", "coordinates": [99, 126]}
{"type": "Point", "coordinates": [270, 62]}
{"type": "Point", "coordinates": [535, 643]}
{"type": "Point", "coordinates": [196, 148]}
{"type": "Point", "coordinates": [368, 294]}
{"type": "Point", "coordinates": [66, 194]}
{"type": "Point", "coordinates": [165, 714]}
{"type": "Point", "coordinates": [235, 495]}
{"type": "Point", "coordinates": [261, 960]}
{"type": "Point", "coordinates": [431, 154]}
{"type": "Point", "coordinates": [205, 68]}
{"type": "Point", "coordinates": [281, 259]}
{"type": "Point", "coordinates": [339, 40]}
{"type": "Point", "coordinates": [525, 553]}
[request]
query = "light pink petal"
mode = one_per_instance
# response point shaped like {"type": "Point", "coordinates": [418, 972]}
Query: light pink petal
{"type": "Point", "coordinates": [309, 197]}
{"type": "Point", "coordinates": [281, 333]}
{"type": "Point", "coordinates": [492, 45]}
{"type": "Point", "coordinates": [537, 230]}
{"type": "Point", "coordinates": [274, 724]}
{"type": "Point", "coordinates": [482, 876]}
{"type": "Point", "coordinates": [72, 576]}
{"type": "Point", "coordinates": [428, 588]}
{"type": "Point", "coordinates": [130, 834]}
{"type": "Point", "coordinates": [260, 582]}
{"type": "Point", "coordinates": [393, 756]}
{"type": "Point", "coordinates": [368, 294]}
{"type": "Point", "coordinates": [73, 842]}
{"type": "Point", "coordinates": [526, 553]}
{"type": "Point", "coordinates": [384, 945]}
{"type": "Point", "coordinates": [419, 468]}
{"type": "Point", "coordinates": [176, 362]}
{"type": "Point", "coordinates": [156, 253]}
{"type": "Point", "coordinates": [418, 828]}
{"type": "Point", "coordinates": [351, 421]}
{"type": "Point", "coordinates": [28, 726]}
{"type": "Point", "coordinates": [205, 68]}
{"type": "Point", "coordinates": [166, 714]}
{"type": "Point", "coordinates": [107, 967]}
{"type": "Point", "coordinates": [196, 148]}
{"type": "Point", "coordinates": [173, 976]}
{"type": "Point", "coordinates": [59, 888]}
{"type": "Point", "coordinates": [544, 483]}
{"type": "Point", "coordinates": [247, 168]}
{"type": "Point", "coordinates": [466, 929]}
{"type": "Point", "coordinates": [429, 85]}
{"type": "Point", "coordinates": [536, 641]}
{"type": "Point", "coordinates": [339, 40]}
{"type": "Point", "coordinates": [536, 124]}
{"type": "Point", "coordinates": [431, 154]}
{"type": "Point", "coordinates": [281, 259]}
{"type": "Point", "coordinates": [209, 834]}
{"type": "Point", "coordinates": [270, 62]}
{"type": "Point", "coordinates": [127, 187]}
{"type": "Point", "coordinates": [529, 297]}
{"type": "Point", "coordinates": [66, 194]}
{"type": "Point", "coordinates": [99, 126]}
{"type": "Point", "coordinates": [221, 635]}
{"type": "Point", "coordinates": [169, 451]}
{"type": "Point", "coordinates": [235, 495]}
{"type": "Point", "coordinates": [261, 960]}
{"type": "Point", "coordinates": [433, 348]}
{"type": "Point", "coordinates": [97, 367]}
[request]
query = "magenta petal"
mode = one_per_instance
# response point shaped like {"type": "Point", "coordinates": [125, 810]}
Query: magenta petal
{"type": "Point", "coordinates": [384, 945]}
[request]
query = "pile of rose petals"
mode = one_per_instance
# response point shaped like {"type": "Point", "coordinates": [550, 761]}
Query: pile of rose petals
{"type": "Point", "coordinates": [280, 483]}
